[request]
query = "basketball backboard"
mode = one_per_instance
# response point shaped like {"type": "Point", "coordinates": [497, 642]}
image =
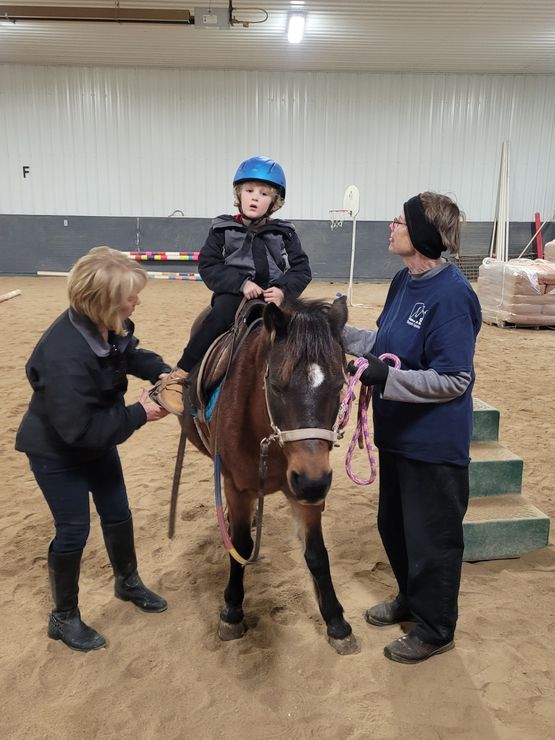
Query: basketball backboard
{"type": "Point", "coordinates": [351, 200]}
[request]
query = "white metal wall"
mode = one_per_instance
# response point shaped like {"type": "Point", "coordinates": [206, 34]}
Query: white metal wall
{"type": "Point", "coordinates": [120, 141]}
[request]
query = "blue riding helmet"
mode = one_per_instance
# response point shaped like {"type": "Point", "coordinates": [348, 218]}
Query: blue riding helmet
{"type": "Point", "coordinates": [263, 169]}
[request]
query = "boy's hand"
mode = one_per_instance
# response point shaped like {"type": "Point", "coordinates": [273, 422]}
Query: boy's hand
{"type": "Point", "coordinates": [251, 290]}
{"type": "Point", "coordinates": [274, 295]}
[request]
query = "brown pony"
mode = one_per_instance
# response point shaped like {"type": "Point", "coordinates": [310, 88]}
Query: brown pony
{"type": "Point", "coordinates": [289, 371]}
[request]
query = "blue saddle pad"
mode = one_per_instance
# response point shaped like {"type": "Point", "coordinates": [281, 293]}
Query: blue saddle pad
{"type": "Point", "coordinates": [209, 410]}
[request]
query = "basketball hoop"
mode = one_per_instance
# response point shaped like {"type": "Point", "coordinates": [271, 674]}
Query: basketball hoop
{"type": "Point", "coordinates": [351, 207]}
{"type": "Point", "coordinates": [337, 216]}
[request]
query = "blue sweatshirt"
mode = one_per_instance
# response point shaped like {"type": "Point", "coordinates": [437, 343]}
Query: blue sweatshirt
{"type": "Point", "coordinates": [428, 324]}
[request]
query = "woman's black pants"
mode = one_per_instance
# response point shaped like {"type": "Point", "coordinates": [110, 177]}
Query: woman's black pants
{"type": "Point", "coordinates": [420, 515]}
{"type": "Point", "coordinates": [67, 488]}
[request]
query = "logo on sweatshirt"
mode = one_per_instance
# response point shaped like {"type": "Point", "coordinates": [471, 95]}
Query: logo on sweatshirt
{"type": "Point", "coordinates": [417, 314]}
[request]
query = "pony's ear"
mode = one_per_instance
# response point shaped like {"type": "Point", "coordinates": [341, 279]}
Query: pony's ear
{"type": "Point", "coordinates": [338, 314]}
{"type": "Point", "coordinates": [275, 320]}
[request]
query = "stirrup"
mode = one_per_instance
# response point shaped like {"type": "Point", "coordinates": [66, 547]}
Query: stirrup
{"type": "Point", "coordinates": [168, 393]}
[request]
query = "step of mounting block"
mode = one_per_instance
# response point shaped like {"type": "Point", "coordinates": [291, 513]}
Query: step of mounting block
{"type": "Point", "coordinates": [485, 422]}
{"type": "Point", "coordinates": [494, 470]}
{"type": "Point", "coordinates": [503, 526]}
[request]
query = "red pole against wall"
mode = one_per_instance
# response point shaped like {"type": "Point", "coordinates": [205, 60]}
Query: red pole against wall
{"type": "Point", "coordinates": [539, 240]}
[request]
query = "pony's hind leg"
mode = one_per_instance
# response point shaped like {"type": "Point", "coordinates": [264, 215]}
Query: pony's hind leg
{"type": "Point", "coordinates": [340, 635]}
{"type": "Point", "coordinates": [232, 625]}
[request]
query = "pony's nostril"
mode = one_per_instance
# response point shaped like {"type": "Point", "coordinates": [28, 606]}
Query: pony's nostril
{"type": "Point", "coordinates": [308, 489]}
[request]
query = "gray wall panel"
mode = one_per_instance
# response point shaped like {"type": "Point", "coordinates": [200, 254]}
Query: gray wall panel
{"type": "Point", "coordinates": [31, 243]}
{"type": "Point", "coordinates": [172, 234]}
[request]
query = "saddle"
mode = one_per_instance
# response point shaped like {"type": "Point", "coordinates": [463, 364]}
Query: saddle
{"type": "Point", "coordinates": [219, 358]}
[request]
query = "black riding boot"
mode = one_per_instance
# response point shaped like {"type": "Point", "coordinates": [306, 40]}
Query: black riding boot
{"type": "Point", "coordinates": [128, 586]}
{"type": "Point", "coordinates": [65, 622]}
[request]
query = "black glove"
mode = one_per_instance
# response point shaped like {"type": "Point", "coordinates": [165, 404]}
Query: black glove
{"type": "Point", "coordinates": [376, 372]}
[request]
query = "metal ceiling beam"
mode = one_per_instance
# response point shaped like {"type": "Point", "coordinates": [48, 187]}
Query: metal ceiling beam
{"type": "Point", "coordinates": [104, 15]}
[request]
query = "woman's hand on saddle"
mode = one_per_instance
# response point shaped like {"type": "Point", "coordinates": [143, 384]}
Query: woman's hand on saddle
{"type": "Point", "coordinates": [251, 290]}
{"type": "Point", "coordinates": [153, 411]}
{"type": "Point", "coordinates": [274, 295]}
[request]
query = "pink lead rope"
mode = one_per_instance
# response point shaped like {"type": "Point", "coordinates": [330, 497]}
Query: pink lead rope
{"type": "Point", "coordinates": [362, 418]}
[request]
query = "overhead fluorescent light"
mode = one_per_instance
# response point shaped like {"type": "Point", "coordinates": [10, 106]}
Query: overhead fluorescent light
{"type": "Point", "coordinates": [295, 29]}
{"type": "Point", "coordinates": [94, 14]}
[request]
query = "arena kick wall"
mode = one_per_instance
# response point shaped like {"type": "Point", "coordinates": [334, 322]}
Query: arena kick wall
{"type": "Point", "coordinates": [32, 243]}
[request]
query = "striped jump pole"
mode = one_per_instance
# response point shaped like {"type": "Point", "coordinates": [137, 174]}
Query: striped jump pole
{"type": "Point", "coordinates": [173, 276]}
{"type": "Point", "coordinates": [183, 276]}
{"type": "Point", "coordinates": [152, 256]}
{"type": "Point", "coordinates": [163, 256]}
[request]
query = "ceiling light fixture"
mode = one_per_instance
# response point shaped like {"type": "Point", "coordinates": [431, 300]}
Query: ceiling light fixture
{"type": "Point", "coordinates": [295, 29]}
{"type": "Point", "coordinates": [95, 14]}
{"type": "Point", "coordinates": [203, 17]}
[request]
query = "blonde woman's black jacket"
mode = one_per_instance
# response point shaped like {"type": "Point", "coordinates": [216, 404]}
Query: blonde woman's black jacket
{"type": "Point", "coordinates": [77, 411]}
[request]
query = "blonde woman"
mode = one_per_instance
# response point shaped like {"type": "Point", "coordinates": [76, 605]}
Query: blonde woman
{"type": "Point", "coordinates": [76, 418]}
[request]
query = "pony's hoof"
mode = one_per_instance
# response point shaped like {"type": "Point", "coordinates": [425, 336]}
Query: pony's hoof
{"type": "Point", "coordinates": [347, 646]}
{"type": "Point", "coordinates": [228, 631]}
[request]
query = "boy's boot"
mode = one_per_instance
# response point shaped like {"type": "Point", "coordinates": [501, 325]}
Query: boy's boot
{"type": "Point", "coordinates": [65, 622]}
{"type": "Point", "coordinates": [128, 586]}
{"type": "Point", "coordinates": [168, 393]}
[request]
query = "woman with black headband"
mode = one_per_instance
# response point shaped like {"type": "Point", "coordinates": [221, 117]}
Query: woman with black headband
{"type": "Point", "coordinates": [422, 424]}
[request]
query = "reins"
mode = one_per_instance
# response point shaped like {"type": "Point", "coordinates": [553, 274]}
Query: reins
{"type": "Point", "coordinates": [362, 432]}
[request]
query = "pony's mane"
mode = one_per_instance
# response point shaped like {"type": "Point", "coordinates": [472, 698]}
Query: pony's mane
{"type": "Point", "coordinates": [309, 335]}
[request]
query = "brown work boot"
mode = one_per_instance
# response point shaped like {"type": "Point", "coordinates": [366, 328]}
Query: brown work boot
{"type": "Point", "coordinates": [411, 649]}
{"type": "Point", "coordinates": [168, 393]}
{"type": "Point", "coordinates": [388, 613]}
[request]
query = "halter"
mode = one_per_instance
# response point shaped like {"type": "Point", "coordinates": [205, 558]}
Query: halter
{"type": "Point", "coordinates": [294, 435]}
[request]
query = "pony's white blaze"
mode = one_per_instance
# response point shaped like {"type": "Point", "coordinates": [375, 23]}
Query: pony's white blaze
{"type": "Point", "coordinates": [315, 375]}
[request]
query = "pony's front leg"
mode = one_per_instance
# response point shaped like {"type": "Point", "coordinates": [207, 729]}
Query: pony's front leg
{"type": "Point", "coordinates": [232, 625]}
{"type": "Point", "coordinates": [340, 635]}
